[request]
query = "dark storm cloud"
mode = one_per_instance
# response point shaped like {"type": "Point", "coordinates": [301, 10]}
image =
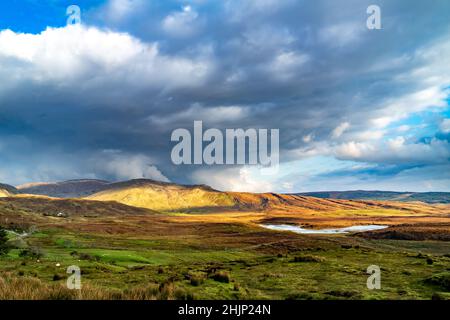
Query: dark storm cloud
{"type": "Point", "coordinates": [305, 67]}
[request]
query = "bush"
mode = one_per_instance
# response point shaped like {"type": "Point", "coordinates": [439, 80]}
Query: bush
{"type": "Point", "coordinates": [196, 279]}
{"type": "Point", "coordinates": [4, 248]}
{"type": "Point", "coordinates": [221, 276]}
{"type": "Point", "coordinates": [181, 294]}
{"type": "Point", "coordinates": [440, 279]}
{"type": "Point", "coordinates": [302, 296]}
{"type": "Point", "coordinates": [32, 252]}
{"type": "Point", "coordinates": [87, 256]}
{"type": "Point", "coordinates": [57, 277]}
{"type": "Point", "coordinates": [342, 293]}
{"type": "Point", "coordinates": [308, 258]}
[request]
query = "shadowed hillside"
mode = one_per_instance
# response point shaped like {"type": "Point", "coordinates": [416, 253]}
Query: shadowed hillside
{"type": "Point", "coordinates": [26, 210]}
{"type": "Point", "coordinates": [64, 189]}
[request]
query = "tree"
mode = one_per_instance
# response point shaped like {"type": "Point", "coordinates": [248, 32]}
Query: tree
{"type": "Point", "coordinates": [3, 240]}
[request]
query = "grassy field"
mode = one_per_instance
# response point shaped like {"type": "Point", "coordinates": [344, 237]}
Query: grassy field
{"type": "Point", "coordinates": [130, 253]}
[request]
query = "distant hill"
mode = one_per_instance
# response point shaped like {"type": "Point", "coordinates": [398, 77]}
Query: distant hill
{"type": "Point", "coordinates": [6, 190]}
{"type": "Point", "coordinates": [65, 189]}
{"type": "Point", "coordinates": [163, 196]}
{"type": "Point", "coordinates": [427, 197]}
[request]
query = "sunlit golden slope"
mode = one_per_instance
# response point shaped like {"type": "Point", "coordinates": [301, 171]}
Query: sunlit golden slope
{"type": "Point", "coordinates": [6, 190]}
{"type": "Point", "coordinates": [163, 196]}
{"type": "Point", "coordinates": [4, 193]}
{"type": "Point", "coordinates": [295, 203]}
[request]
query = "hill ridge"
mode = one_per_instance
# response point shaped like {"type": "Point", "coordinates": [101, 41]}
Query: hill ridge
{"type": "Point", "coordinates": [7, 190]}
{"type": "Point", "coordinates": [404, 196]}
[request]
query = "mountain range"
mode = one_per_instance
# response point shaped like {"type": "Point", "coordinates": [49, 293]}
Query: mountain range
{"type": "Point", "coordinates": [171, 197]}
{"type": "Point", "coordinates": [427, 197]}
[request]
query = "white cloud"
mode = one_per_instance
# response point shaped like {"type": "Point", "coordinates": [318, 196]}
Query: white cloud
{"type": "Point", "coordinates": [340, 129]}
{"type": "Point", "coordinates": [265, 38]}
{"type": "Point", "coordinates": [445, 126]}
{"type": "Point", "coordinates": [403, 128]}
{"type": "Point", "coordinates": [353, 150]}
{"type": "Point", "coordinates": [395, 151]}
{"type": "Point", "coordinates": [55, 165]}
{"type": "Point", "coordinates": [242, 179]}
{"type": "Point", "coordinates": [401, 107]}
{"type": "Point", "coordinates": [433, 64]}
{"type": "Point", "coordinates": [308, 138]}
{"type": "Point", "coordinates": [87, 57]}
{"type": "Point", "coordinates": [341, 34]}
{"type": "Point", "coordinates": [288, 187]}
{"type": "Point", "coordinates": [182, 23]}
{"type": "Point", "coordinates": [125, 166]}
{"type": "Point", "coordinates": [239, 10]}
{"type": "Point", "coordinates": [118, 10]}
{"type": "Point", "coordinates": [369, 135]}
{"type": "Point", "coordinates": [209, 115]}
{"type": "Point", "coordinates": [284, 65]}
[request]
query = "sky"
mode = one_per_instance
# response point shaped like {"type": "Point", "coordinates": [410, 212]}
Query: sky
{"type": "Point", "coordinates": [355, 108]}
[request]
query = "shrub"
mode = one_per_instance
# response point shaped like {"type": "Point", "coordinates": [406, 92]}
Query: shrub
{"type": "Point", "coordinates": [301, 296]}
{"type": "Point", "coordinates": [87, 256]}
{"type": "Point", "coordinates": [221, 276]}
{"type": "Point", "coordinates": [57, 277]}
{"type": "Point", "coordinates": [197, 279]}
{"type": "Point", "coordinates": [4, 249]}
{"type": "Point", "coordinates": [166, 290]}
{"type": "Point", "coordinates": [181, 294]}
{"type": "Point", "coordinates": [31, 252]}
{"type": "Point", "coordinates": [342, 293]}
{"type": "Point", "coordinates": [440, 296]}
{"type": "Point", "coordinates": [440, 279]}
{"type": "Point", "coordinates": [308, 258]}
